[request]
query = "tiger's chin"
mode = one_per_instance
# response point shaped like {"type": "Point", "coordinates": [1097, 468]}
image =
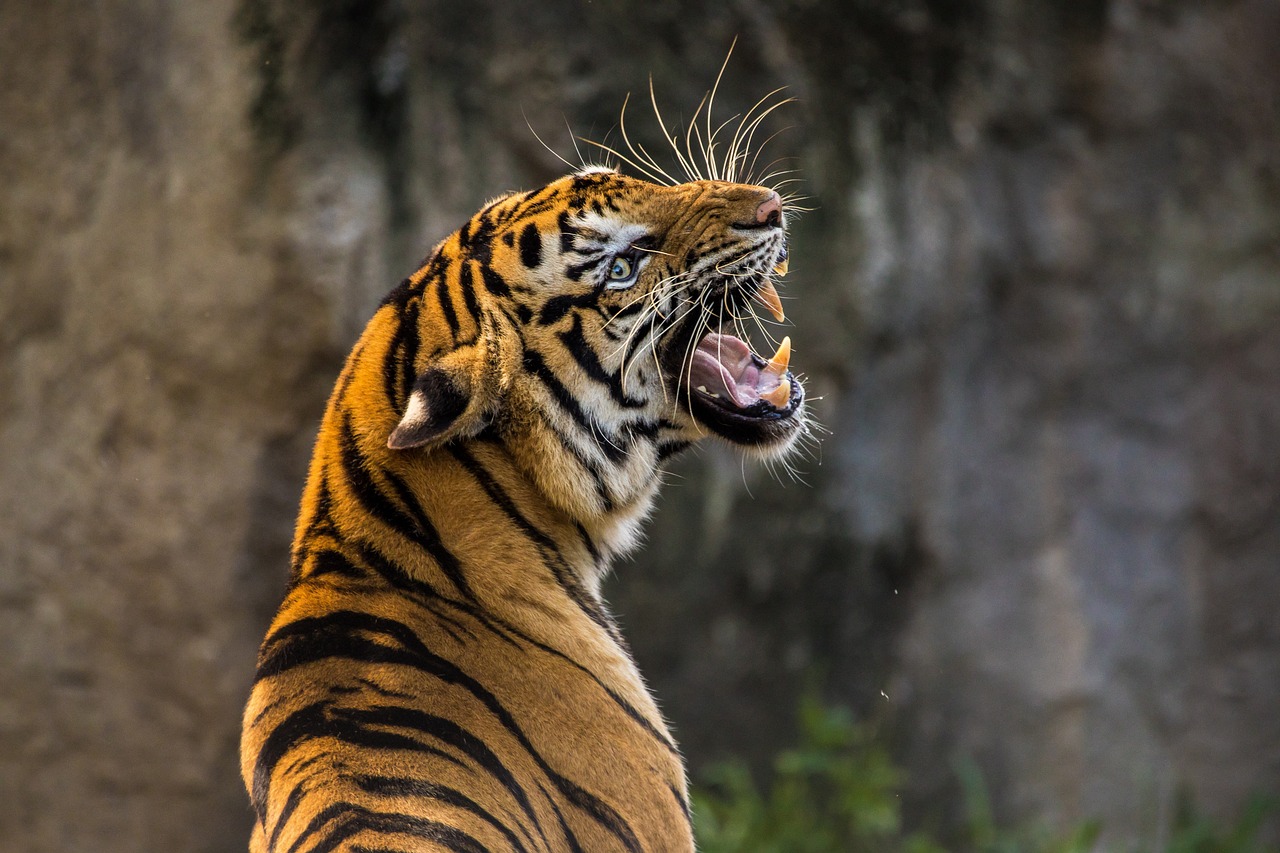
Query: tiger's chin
{"type": "Point", "coordinates": [749, 401]}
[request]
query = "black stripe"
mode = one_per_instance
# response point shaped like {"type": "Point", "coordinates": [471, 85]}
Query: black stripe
{"type": "Point", "coordinates": [315, 721]}
{"type": "Point", "coordinates": [576, 342]}
{"type": "Point", "coordinates": [385, 692]}
{"type": "Point", "coordinates": [348, 370]}
{"type": "Point", "coordinates": [319, 524]}
{"type": "Point", "coordinates": [683, 800]}
{"type": "Point", "coordinates": [557, 306]}
{"type": "Point", "coordinates": [530, 246]}
{"type": "Point", "coordinates": [479, 240]}
{"type": "Point", "coordinates": [565, 577]}
{"type": "Point", "coordinates": [360, 481]}
{"type": "Point", "coordinates": [574, 273]}
{"type": "Point", "coordinates": [602, 812]}
{"type": "Point", "coordinates": [550, 550]}
{"type": "Point", "coordinates": [349, 819]}
{"type": "Point", "coordinates": [427, 595]}
{"type": "Point", "coordinates": [429, 536]}
{"type": "Point", "coordinates": [391, 361]}
{"type": "Point", "coordinates": [400, 294]}
{"type": "Point", "coordinates": [534, 363]}
{"type": "Point", "coordinates": [469, 294]}
{"type": "Point", "coordinates": [445, 298]}
{"type": "Point", "coordinates": [336, 638]}
{"type": "Point", "coordinates": [639, 340]}
{"type": "Point", "coordinates": [392, 786]}
{"type": "Point", "coordinates": [494, 282]}
{"type": "Point", "coordinates": [534, 208]}
{"type": "Point", "coordinates": [412, 340]}
{"type": "Point", "coordinates": [449, 732]}
{"type": "Point", "coordinates": [326, 561]}
{"type": "Point", "coordinates": [591, 545]}
{"type": "Point", "coordinates": [290, 806]}
{"type": "Point", "coordinates": [416, 527]}
{"type": "Point", "coordinates": [668, 449]}
{"type": "Point", "coordinates": [574, 846]}
{"type": "Point", "coordinates": [342, 634]}
{"type": "Point", "coordinates": [419, 592]}
{"type": "Point", "coordinates": [632, 307]}
{"type": "Point", "coordinates": [567, 231]}
{"type": "Point", "coordinates": [339, 635]}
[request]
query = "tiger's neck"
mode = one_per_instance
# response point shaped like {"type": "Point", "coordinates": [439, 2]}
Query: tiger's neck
{"type": "Point", "coordinates": [473, 519]}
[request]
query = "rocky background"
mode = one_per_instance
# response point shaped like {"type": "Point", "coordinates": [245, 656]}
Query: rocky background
{"type": "Point", "coordinates": [1039, 295]}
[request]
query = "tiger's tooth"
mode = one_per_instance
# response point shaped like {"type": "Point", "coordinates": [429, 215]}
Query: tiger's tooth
{"type": "Point", "coordinates": [780, 396]}
{"type": "Point", "coordinates": [768, 294]}
{"type": "Point", "coordinates": [780, 269]}
{"type": "Point", "coordinates": [778, 364]}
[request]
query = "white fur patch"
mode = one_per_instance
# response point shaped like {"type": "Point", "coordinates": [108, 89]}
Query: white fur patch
{"type": "Point", "coordinates": [607, 233]}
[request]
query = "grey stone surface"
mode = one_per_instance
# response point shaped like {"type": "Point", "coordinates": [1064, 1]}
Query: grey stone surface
{"type": "Point", "coordinates": [1039, 298]}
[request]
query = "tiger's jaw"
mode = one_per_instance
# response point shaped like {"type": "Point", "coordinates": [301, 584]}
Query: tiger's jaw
{"type": "Point", "coordinates": [722, 384]}
{"type": "Point", "coordinates": [729, 391]}
{"type": "Point", "coordinates": [742, 397]}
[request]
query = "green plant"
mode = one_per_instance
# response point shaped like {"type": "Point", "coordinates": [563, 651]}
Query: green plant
{"type": "Point", "coordinates": [838, 792]}
{"type": "Point", "coordinates": [1193, 832]}
{"type": "Point", "coordinates": [982, 834]}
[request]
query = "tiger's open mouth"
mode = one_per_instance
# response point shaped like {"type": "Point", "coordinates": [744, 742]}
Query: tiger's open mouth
{"type": "Point", "coordinates": [738, 394]}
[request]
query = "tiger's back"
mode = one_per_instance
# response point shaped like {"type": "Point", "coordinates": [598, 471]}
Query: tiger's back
{"type": "Point", "coordinates": [442, 674]}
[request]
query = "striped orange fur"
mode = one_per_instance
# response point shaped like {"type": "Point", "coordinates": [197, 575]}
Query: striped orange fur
{"type": "Point", "coordinates": [442, 674]}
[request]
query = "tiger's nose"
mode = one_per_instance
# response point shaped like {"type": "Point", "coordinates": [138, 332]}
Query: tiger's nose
{"type": "Point", "coordinates": [770, 211]}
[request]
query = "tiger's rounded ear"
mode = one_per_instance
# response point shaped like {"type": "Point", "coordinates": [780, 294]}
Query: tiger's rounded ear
{"type": "Point", "coordinates": [457, 395]}
{"type": "Point", "coordinates": [436, 404]}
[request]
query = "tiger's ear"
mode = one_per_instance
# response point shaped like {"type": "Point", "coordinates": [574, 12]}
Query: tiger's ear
{"type": "Point", "coordinates": [455, 397]}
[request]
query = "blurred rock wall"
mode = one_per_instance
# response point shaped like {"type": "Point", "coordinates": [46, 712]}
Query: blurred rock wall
{"type": "Point", "coordinates": [1039, 295]}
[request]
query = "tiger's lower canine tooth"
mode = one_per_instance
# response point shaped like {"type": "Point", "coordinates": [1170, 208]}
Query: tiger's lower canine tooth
{"type": "Point", "coordinates": [778, 364]}
{"type": "Point", "coordinates": [768, 294]}
{"type": "Point", "coordinates": [780, 396]}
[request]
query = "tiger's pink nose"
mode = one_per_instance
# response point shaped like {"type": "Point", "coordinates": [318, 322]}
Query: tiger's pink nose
{"type": "Point", "coordinates": [770, 211]}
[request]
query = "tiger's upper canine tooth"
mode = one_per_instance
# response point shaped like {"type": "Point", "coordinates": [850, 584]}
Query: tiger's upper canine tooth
{"type": "Point", "coordinates": [778, 364]}
{"type": "Point", "coordinates": [780, 268]}
{"type": "Point", "coordinates": [768, 294]}
{"type": "Point", "coordinates": [780, 396]}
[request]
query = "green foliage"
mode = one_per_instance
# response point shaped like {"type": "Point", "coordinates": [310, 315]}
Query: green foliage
{"type": "Point", "coordinates": [1194, 833]}
{"type": "Point", "coordinates": [838, 792]}
{"type": "Point", "coordinates": [984, 835]}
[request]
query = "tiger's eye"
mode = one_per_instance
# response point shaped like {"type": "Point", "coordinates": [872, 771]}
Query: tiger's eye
{"type": "Point", "coordinates": [621, 269]}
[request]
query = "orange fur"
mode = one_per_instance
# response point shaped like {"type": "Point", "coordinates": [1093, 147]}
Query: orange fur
{"type": "Point", "coordinates": [442, 673]}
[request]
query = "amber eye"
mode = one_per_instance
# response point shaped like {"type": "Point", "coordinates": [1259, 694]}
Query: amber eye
{"type": "Point", "coordinates": [622, 272]}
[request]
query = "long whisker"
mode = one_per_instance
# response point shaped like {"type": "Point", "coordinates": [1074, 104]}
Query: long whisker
{"type": "Point", "coordinates": [552, 151]}
{"type": "Point", "coordinates": [711, 100]}
{"type": "Point", "coordinates": [747, 125]}
{"type": "Point", "coordinates": [640, 152]}
{"type": "Point", "coordinates": [689, 134]}
{"type": "Point", "coordinates": [624, 158]}
{"type": "Point", "coordinates": [748, 142]}
{"type": "Point", "coordinates": [582, 161]}
{"type": "Point", "coordinates": [667, 135]}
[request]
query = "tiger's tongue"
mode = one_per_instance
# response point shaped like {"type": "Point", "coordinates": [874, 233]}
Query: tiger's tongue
{"type": "Point", "coordinates": [723, 365]}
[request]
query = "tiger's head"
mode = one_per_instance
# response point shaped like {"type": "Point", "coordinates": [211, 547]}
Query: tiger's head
{"type": "Point", "coordinates": [599, 325]}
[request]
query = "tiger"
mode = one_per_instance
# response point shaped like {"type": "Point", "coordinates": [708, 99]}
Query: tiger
{"type": "Point", "coordinates": [443, 673]}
